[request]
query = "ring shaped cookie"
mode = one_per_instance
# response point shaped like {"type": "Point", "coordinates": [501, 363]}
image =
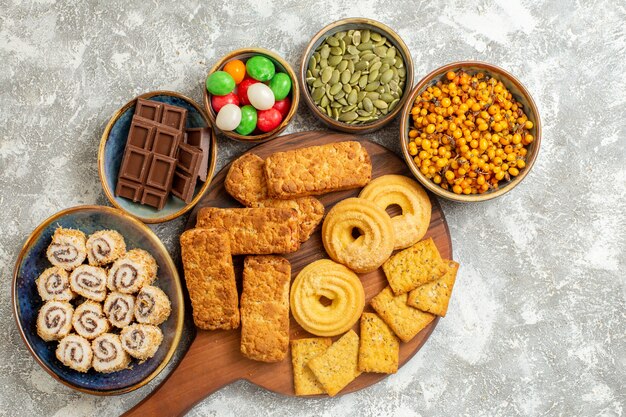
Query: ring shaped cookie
{"type": "Point", "coordinates": [335, 282]}
{"type": "Point", "coordinates": [375, 240]}
{"type": "Point", "coordinates": [410, 226]}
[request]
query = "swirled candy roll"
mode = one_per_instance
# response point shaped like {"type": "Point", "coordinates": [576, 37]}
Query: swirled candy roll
{"type": "Point", "coordinates": [68, 249]}
{"type": "Point", "coordinates": [108, 354]}
{"type": "Point", "coordinates": [89, 281]}
{"type": "Point", "coordinates": [152, 306]}
{"type": "Point", "coordinates": [141, 341]}
{"type": "Point", "coordinates": [54, 284]}
{"type": "Point", "coordinates": [54, 321]}
{"type": "Point", "coordinates": [75, 351]}
{"type": "Point", "coordinates": [104, 247]}
{"type": "Point", "coordinates": [89, 321]}
{"type": "Point", "coordinates": [132, 271]}
{"type": "Point", "coordinates": [119, 308]}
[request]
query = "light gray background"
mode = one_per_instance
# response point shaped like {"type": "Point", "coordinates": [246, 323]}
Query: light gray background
{"type": "Point", "coordinates": [536, 325]}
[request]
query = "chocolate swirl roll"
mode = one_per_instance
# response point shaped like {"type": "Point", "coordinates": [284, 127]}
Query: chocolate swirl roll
{"type": "Point", "coordinates": [89, 321]}
{"type": "Point", "coordinates": [119, 308]}
{"type": "Point", "coordinates": [68, 249]}
{"type": "Point", "coordinates": [75, 351]}
{"type": "Point", "coordinates": [54, 321]}
{"type": "Point", "coordinates": [141, 341]}
{"type": "Point", "coordinates": [108, 354]}
{"type": "Point", "coordinates": [104, 247]}
{"type": "Point", "coordinates": [132, 271]}
{"type": "Point", "coordinates": [89, 281]}
{"type": "Point", "coordinates": [54, 284]}
{"type": "Point", "coordinates": [152, 306]}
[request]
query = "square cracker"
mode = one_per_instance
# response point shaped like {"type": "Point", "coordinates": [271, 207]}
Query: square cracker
{"type": "Point", "coordinates": [435, 296]}
{"type": "Point", "coordinates": [302, 351]}
{"type": "Point", "coordinates": [415, 266]}
{"type": "Point", "coordinates": [338, 366]}
{"type": "Point", "coordinates": [405, 321]}
{"type": "Point", "coordinates": [379, 350]}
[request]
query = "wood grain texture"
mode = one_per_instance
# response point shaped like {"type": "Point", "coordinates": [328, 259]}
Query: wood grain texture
{"type": "Point", "coordinates": [214, 359]}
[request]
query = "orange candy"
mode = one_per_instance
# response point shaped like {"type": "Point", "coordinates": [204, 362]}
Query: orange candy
{"type": "Point", "coordinates": [236, 69]}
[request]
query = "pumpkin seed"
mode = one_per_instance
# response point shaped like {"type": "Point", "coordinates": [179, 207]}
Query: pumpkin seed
{"type": "Point", "coordinates": [334, 60]}
{"type": "Point", "coordinates": [352, 50]}
{"type": "Point", "coordinates": [391, 52]}
{"type": "Point", "coordinates": [373, 76]}
{"type": "Point", "coordinates": [361, 65]}
{"type": "Point", "coordinates": [381, 51]}
{"type": "Point", "coordinates": [386, 76]}
{"type": "Point", "coordinates": [312, 63]}
{"type": "Point", "coordinates": [323, 63]}
{"type": "Point", "coordinates": [347, 88]}
{"type": "Point", "coordinates": [386, 97]}
{"type": "Point", "coordinates": [352, 97]}
{"type": "Point", "coordinates": [335, 89]}
{"type": "Point", "coordinates": [348, 116]}
{"type": "Point", "coordinates": [375, 36]}
{"type": "Point", "coordinates": [335, 77]}
{"type": "Point", "coordinates": [372, 86]}
{"type": "Point", "coordinates": [363, 81]}
{"type": "Point", "coordinates": [325, 51]}
{"type": "Point", "coordinates": [394, 104]}
{"type": "Point", "coordinates": [324, 101]}
{"type": "Point", "coordinates": [375, 66]}
{"type": "Point", "coordinates": [355, 77]}
{"type": "Point", "coordinates": [368, 56]}
{"type": "Point", "coordinates": [317, 94]}
{"type": "Point", "coordinates": [343, 65]}
{"type": "Point", "coordinates": [380, 104]}
{"type": "Point", "coordinates": [356, 37]}
{"type": "Point", "coordinates": [326, 74]}
{"type": "Point", "coordinates": [332, 41]}
{"type": "Point", "coordinates": [365, 46]}
{"type": "Point", "coordinates": [335, 50]}
{"type": "Point", "coordinates": [367, 104]}
{"type": "Point", "coordinates": [345, 77]}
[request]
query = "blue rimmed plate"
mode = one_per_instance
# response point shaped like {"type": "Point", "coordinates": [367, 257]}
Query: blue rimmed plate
{"type": "Point", "coordinates": [111, 151]}
{"type": "Point", "coordinates": [32, 261]}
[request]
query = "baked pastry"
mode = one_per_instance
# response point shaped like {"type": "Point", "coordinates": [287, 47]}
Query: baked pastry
{"type": "Point", "coordinates": [302, 351]}
{"type": "Point", "coordinates": [265, 308]}
{"type": "Point", "coordinates": [89, 321]}
{"type": "Point", "coordinates": [90, 282]}
{"type": "Point", "coordinates": [210, 278]}
{"type": "Point", "coordinates": [338, 366]}
{"type": "Point", "coordinates": [405, 321]}
{"type": "Point", "coordinates": [415, 266]}
{"type": "Point", "coordinates": [132, 271]}
{"type": "Point", "coordinates": [108, 354]}
{"type": "Point", "coordinates": [104, 247]}
{"type": "Point", "coordinates": [317, 170]}
{"type": "Point", "coordinates": [67, 249]}
{"type": "Point", "coordinates": [119, 308]}
{"type": "Point", "coordinates": [254, 231]}
{"type": "Point", "coordinates": [54, 320]}
{"type": "Point", "coordinates": [379, 350]}
{"type": "Point", "coordinates": [152, 306]}
{"type": "Point", "coordinates": [75, 352]}
{"type": "Point", "coordinates": [54, 284]}
{"type": "Point", "coordinates": [388, 190]}
{"type": "Point", "coordinates": [310, 212]}
{"type": "Point", "coordinates": [141, 341]}
{"type": "Point", "coordinates": [375, 240]}
{"type": "Point", "coordinates": [334, 283]}
{"type": "Point", "coordinates": [435, 296]}
{"type": "Point", "coordinates": [245, 180]}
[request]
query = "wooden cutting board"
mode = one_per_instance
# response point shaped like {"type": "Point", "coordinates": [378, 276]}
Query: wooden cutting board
{"type": "Point", "coordinates": [214, 360]}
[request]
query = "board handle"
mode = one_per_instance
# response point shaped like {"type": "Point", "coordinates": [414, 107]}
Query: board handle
{"type": "Point", "coordinates": [198, 375]}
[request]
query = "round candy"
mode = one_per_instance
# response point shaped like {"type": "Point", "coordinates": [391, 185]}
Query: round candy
{"type": "Point", "coordinates": [229, 117]}
{"type": "Point", "coordinates": [283, 106]}
{"type": "Point", "coordinates": [220, 83]}
{"type": "Point", "coordinates": [237, 69]}
{"type": "Point", "coordinates": [280, 85]}
{"type": "Point", "coordinates": [242, 90]}
{"type": "Point", "coordinates": [217, 102]}
{"type": "Point", "coordinates": [261, 96]}
{"type": "Point", "coordinates": [268, 120]}
{"type": "Point", "coordinates": [248, 120]}
{"type": "Point", "coordinates": [260, 68]}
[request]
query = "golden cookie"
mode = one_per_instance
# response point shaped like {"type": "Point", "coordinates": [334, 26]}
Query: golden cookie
{"type": "Point", "coordinates": [388, 190]}
{"type": "Point", "coordinates": [372, 224]}
{"type": "Point", "coordinates": [334, 282]}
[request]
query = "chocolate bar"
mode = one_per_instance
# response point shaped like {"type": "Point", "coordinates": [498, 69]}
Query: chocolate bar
{"type": "Point", "coordinates": [141, 133]}
{"type": "Point", "coordinates": [161, 172]}
{"type": "Point", "coordinates": [166, 141]}
{"type": "Point", "coordinates": [129, 189]}
{"type": "Point", "coordinates": [175, 117]}
{"type": "Point", "coordinates": [148, 109]}
{"type": "Point", "coordinates": [200, 137]}
{"type": "Point", "coordinates": [135, 164]}
{"type": "Point", "coordinates": [183, 186]}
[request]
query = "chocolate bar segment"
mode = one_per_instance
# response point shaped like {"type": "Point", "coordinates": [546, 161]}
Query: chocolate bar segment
{"type": "Point", "coordinates": [173, 116]}
{"type": "Point", "coordinates": [183, 186]}
{"type": "Point", "coordinates": [166, 141]}
{"type": "Point", "coordinates": [161, 172]}
{"type": "Point", "coordinates": [148, 109]}
{"type": "Point", "coordinates": [189, 159]}
{"type": "Point", "coordinates": [128, 189]}
{"type": "Point", "coordinates": [153, 197]}
{"type": "Point", "coordinates": [135, 164]}
{"type": "Point", "coordinates": [141, 133]}
{"type": "Point", "coordinates": [200, 137]}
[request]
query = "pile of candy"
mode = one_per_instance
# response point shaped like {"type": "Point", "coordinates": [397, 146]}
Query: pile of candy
{"type": "Point", "coordinates": [261, 92]}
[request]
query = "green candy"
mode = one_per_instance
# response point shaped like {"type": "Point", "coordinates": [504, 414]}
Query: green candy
{"type": "Point", "coordinates": [260, 68]}
{"type": "Point", "coordinates": [220, 83]}
{"type": "Point", "coordinates": [248, 120]}
{"type": "Point", "coordinates": [280, 84]}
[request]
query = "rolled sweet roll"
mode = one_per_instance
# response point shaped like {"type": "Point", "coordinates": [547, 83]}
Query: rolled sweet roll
{"type": "Point", "coordinates": [141, 341]}
{"type": "Point", "coordinates": [54, 284]}
{"type": "Point", "coordinates": [68, 248]}
{"type": "Point", "coordinates": [132, 271]}
{"type": "Point", "coordinates": [75, 351]}
{"type": "Point", "coordinates": [104, 247]}
{"type": "Point", "coordinates": [152, 306]}
{"type": "Point", "coordinates": [54, 321]}
{"type": "Point", "coordinates": [89, 321]}
{"type": "Point", "coordinates": [108, 354]}
{"type": "Point", "coordinates": [119, 308]}
{"type": "Point", "coordinates": [89, 281]}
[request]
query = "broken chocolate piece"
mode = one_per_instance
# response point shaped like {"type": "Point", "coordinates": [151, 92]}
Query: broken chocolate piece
{"type": "Point", "coordinates": [189, 160]}
{"type": "Point", "coordinates": [200, 137]}
{"type": "Point", "coordinates": [183, 186]}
